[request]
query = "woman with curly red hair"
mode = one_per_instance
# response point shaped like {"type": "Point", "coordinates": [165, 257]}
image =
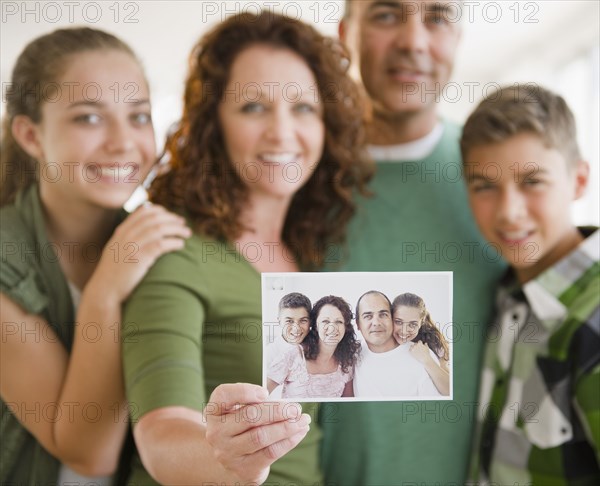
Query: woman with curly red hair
{"type": "Point", "coordinates": [263, 165]}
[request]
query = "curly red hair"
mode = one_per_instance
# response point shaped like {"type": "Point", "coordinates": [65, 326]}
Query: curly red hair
{"type": "Point", "coordinates": [201, 181]}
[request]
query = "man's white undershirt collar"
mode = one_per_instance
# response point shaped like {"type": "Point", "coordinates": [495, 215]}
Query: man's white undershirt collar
{"type": "Point", "coordinates": [415, 150]}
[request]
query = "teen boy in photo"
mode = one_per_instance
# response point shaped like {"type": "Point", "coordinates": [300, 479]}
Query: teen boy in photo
{"type": "Point", "coordinates": [539, 405]}
{"type": "Point", "coordinates": [294, 320]}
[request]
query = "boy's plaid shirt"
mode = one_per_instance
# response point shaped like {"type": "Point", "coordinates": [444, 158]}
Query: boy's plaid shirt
{"type": "Point", "coordinates": [539, 401]}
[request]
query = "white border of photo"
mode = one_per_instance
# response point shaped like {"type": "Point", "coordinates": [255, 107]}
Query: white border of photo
{"type": "Point", "coordinates": [435, 288]}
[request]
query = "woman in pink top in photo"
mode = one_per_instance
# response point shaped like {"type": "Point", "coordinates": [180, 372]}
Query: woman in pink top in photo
{"type": "Point", "coordinates": [323, 365]}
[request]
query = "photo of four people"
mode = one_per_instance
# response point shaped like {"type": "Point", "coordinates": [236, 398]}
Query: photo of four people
{"type": "Point", "coordinates": [368, 347]}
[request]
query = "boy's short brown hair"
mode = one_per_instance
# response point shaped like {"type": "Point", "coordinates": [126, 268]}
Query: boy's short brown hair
{"type": "Point", "coordinates": [295, 300]}
{"type": "Point", "coordinates": [522, 108]}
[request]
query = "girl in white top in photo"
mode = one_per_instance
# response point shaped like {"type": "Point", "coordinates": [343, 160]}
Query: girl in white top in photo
{"type": "Point", "coordinates": [412, 323]}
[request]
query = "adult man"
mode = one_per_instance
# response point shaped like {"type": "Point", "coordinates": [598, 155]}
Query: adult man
{"type": "Point", "coordinates": [418, 220]}
{"type": "Point", "coordinates": [386, 369]}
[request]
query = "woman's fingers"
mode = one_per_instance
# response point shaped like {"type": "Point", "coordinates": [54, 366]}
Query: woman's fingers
{"type": "Point", "coordinates": [235, 408]}
{"type": "Point", "coordinates": [267, 436]}
{"type": "Point", "coordinates": [256, 449]}
{"type": "Point", "coordinates": [246, 417]}
{"type": "Point", "coordinates": [148, 233]}
{"type": "Point", "coordinates": [279, 449]}
{"type": "Point", "coordinates": [230, 396]}
{"type": "Point", "coordinates": [153, 250]}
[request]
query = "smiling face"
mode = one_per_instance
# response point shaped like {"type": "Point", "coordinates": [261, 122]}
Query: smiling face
{"type": "Point", "coordinates": [96, 141]}
{"type": "Point", "coordinates": [405, 50]}
{"type": "Point", "coordinates": [520, 192]}
{"type": "Point", "coordinates": [295, 324]}
{"type": "Point", "coordinates": [272, 120]}
{"type": "Point", "coordinates": [407, 322]}
{"type": "Point", "coordinates": [330, 325]}
{"type": "Point", "coordinates": [374, 321]}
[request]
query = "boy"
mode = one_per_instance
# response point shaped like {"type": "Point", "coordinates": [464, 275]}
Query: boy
{"type": "Point", "coordinates": [539, 404]}
{"type": "Point", "coordinates": [294, 320]}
